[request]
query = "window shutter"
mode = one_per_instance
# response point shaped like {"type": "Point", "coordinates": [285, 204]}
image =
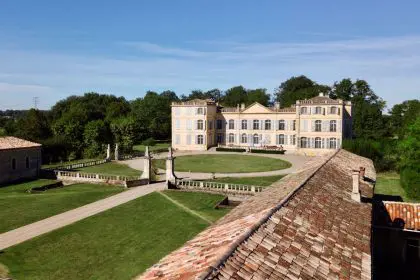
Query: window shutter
{"type": "Point", "coordinates": [312, 125]}
{"type": "Point", "coordinates": [338, 143]}
{"type": "Point", "coordinates": [325, 126]}
{"type": "Point", "coordinates": [311, 145]}
{"type": "Point", "coordinates": [338, 111]}
{"type": "Point", "coordinates": [305, 125]}
{"type": "Point", "coordinates": [250, 124]}
{"type": "Point", "coordinates": [323, 111]}
{"type": "Point", "coordinates": [339, 126]}
{"type": "Point", "coordinates": [298, 142]}
{"type": "Point", "coordinates": [273, 124]}
{"type": "Point", "coordinates": [323, 143]}
{"type": "Point", "coordinates": [286, 139]}
{"type": "Point", "coordinates": [262, 125]}
{"type": "Point", "coordinates": [249, 139]}
{"type": "Point", "coordinates": [277, 139]}
{"type": "Point", "coordinates": [260, 138]}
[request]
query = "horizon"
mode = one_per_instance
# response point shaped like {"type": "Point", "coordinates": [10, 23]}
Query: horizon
{"type": "Point", "coordinates": [54, 50]}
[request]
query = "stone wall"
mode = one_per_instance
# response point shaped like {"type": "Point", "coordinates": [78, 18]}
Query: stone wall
{"type": "Point", "coordinates": [22, 171]}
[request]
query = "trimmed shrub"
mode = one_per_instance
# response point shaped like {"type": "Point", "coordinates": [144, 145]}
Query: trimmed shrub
{"type": "Point", "coordinates": [255, 151]}
{"type": "Point", "coordinates": [237, 150]}
{"type": "Point", "coordinates": [410, 181]}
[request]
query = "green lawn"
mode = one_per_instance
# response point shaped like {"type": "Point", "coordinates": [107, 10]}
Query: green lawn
{"type": "Point", "coordinates": [142, 148]}
{"type": "Point", "coordinates": [67, 162]}
{"type": "Point", "coordinates": [111, 168]}
{"type": "Point", "coordinates": [202, 203]}
{"type": "Point", "coordinates": [117, 244]}
{"type": "Point", "coordinates": [256, 181]}
{"type": "Point", "coordinates": [388, 183]}
{"type": "Point", "coordinates": [225, 163]}
{"type": "Point", "coordinates": [19, 208]}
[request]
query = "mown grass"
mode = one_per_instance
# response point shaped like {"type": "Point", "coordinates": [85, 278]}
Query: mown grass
{"type": "Point", "coordinates": [225, 163]}
{"type": "Point", "coordinates": [157, 146]}
{"type": "Point", "coordinates": [117, 244]}
{"type": "Point", "coordinates": [202, 203]}
{"type": "Point", "coordinates": [111, 168]}
{"type": "Point", "coordinates": [256, 181]}
{"type": "Point", "coordinates": [388, 183]}
{"type": "Point", "coordinates": [19, 208]}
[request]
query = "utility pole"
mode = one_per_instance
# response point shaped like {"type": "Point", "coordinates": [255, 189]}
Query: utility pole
{"type": "Point", "coordinates": [36, 100]}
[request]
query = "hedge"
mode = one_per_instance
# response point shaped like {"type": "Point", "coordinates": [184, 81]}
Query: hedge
{"type": "Point", "coordinates": [268, 151]}
{"type": "Point", "coordinates": [410, 181]}
{"type": "Point", "coordinates": [237, 150]}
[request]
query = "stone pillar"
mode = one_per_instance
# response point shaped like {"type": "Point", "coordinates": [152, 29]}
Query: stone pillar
{"type": "Point", "coordinates": [170, 175]}
{"type": "Point", "coordinates": [116, 152]}
{"type": "Point", "coordinates": [147, 167]}
{"type": "Point", "coordinates": [355, 194]}
{"type": "Point", "coordinates": [108, 152]}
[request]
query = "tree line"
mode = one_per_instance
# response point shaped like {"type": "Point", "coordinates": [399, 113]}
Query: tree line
{"type": "Point", "coordinates": [81, 126]}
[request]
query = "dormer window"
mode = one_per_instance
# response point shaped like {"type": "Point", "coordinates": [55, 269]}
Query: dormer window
{"type": "Point", "coordinates": [304, 111]}
{"type": "Point", "coordinates": [318, 110]}
{"type": "Point", "coordinates": [333, 110]}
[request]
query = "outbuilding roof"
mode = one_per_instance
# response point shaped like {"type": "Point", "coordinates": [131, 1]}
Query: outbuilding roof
{"type": "Point", "coordinates": [10, 142]}
{"type": "Point", "coordinates": [305, 226]}
{"type": "Point", "coordinates": [404, 215]}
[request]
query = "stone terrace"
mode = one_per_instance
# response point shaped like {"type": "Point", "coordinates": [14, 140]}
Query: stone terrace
{"type": "Point", "coordinates": [305, 226]}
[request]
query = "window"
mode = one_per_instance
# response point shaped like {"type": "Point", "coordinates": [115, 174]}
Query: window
{"type": "Point", "coordinates": [280, 139]}
{"type": "Point", "coordinates": [188, 139]}
{"type": "Point", "coordinates": [333, 143]}
{"type": "Point", "coordinates": [293, 139]}
{"type": "Point", "coordinates": [304, 142]}
{"type": "Point", "coordinates": [13, 164]}
{"type": "Point", "coordinates": [231, 138]}
{"type": "Point", "coordinates": [294, 125]}
{"type": "Point", "coordinates": [200, 111]}
{"type": "Point", "coordinates": [231, 124]}
{"type": "Point", "coordinates": [318, 125]}
{"type": "Point", "coordinates": [267, 124]}
{"type": "Point", "coordinates": [177, 139]}
{"type": "Point", "coordinates": [189, 124]}
{"type": "Point", "coordinates": [318, 110]}
{"type": "Point", "coordinates": [333, 110]}
{"type": "Point", "coordinates": [219, 124]}
{"type": "Point", "coordinates": [200, 139]}
{"type": "Point", "coordinates": [243, 138]}
{"type": "Point", "coordinates": [219, 138]}
{"type": "Point", "coordinates": [303, 111]}
{"type": "Point", "coordinates": [200, 125]}
{"type": "Point", "coordinates": [177, 124]}
{"type": "Point", "coordinates": [244, 124]}
{"type": "Point", "coordinates": [318, 143]}
{"type": "Point", "coordinates": [210, 125]}
{"type": "Point", "coordinates": [333, 126]}
{"type": "Point", "coordinates": [256, 139]}
{"type": "Point", "coordinates": [27, 163]}
{"type": "Point", "coordinates": [281, 125]}
{"type": "Point", "coordinates": [177, 111]}
{"type": "Point", "coordinates": [256, 124]}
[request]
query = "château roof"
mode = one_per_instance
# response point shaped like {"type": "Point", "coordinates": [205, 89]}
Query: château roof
{"type": "Point", "coordinates": [10, 142]}
{"type": "Point", "coordinates": [305, 226]}
{"type": "Point", "coordinates": [194, 102]}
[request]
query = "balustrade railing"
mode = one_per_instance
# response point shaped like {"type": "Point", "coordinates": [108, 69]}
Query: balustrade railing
{"type": "Point", "coordinates": [216, 186]}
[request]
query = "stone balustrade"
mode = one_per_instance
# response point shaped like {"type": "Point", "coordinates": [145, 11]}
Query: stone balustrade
{"type": "Point", "coordinates": [218, 187]}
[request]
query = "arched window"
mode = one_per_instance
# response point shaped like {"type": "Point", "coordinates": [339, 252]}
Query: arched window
{"type": "Point", "coordinates": [200, 139]}
{"type": "Point", "coordinates": [267, 124]}
{"type": "Point", "coordinates": [318, 110]}
{"type": "Point", "coordinates": [318, 125]}
{"type": "Point", "coordinates": [256, 139]}
{"type": "Point", "coordinates": [280, 139]}
{"type": "Point", "coordinates": [333, 143]}
{"type": "Point", "coordinates": [303, 111]}
{"type": "Point", "coordinates": [243, 138]}
{"type": "Point", "coordinates": [231, 138]}
{"type": "Point", "coordinates": [333, 126]}
{"type": "Point", "coordinates": [244, 124]}
{"type": "Point", "coordinates": [333, 110]}
{"type": "Point", "coordinates": [200, 125]}
{"type": "Point", "coordinates": [27, 163]}
{"type": "Point", "coordinates": [231, 124]}
{"type": "Point", "coordinates": [281, 125]}
{"type": "Point", "coordinates": [318, 142]}
{"type": "Point", "coordinates": [256, 124]}
{"type": "Point", "coordinates": [303, 142]}
{"type": "Point", "coordinates": [13, 164]}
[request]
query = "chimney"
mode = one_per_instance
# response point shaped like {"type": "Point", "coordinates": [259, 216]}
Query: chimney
{"type": "Point", "coordinates": [321, 94]}
{"type": "Point", "coordinates": [355, 194]}
{"type": "Point", "coordinates": [277, 105]}
{"type": "Point", "coordinates": [242, 106]}
{"type": "Point", "coordinates": [362, 172]}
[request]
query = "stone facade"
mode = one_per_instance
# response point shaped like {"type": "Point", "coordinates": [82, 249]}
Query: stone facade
{"type": "Point", "coordinates": [313, 126]}
{"type": "Point", "coordinates": [18, 161]}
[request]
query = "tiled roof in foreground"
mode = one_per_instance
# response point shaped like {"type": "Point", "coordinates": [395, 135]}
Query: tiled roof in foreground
{"type": "Point", "coordinates": [306, 226]}
{"type": "Point", "coordinates": [406, 215]}
{"type": "Point", "coordinates": [9, 142]}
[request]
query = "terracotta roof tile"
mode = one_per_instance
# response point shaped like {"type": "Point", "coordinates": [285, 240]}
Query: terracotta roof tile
{"type": "Point", "coordinates": [405, 215]}
{"type": "Point", "coordinates": [9, 142]}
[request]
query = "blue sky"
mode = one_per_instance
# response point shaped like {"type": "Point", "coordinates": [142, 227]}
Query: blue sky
{"type": "Point", "coordinates": [53, 49]}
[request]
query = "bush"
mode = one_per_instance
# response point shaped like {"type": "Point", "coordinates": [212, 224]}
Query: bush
{"type": "Point", "coordinates": [237, 150]}
{"type": "Point", "coordinates": [257, 151]}
{"type": "Point", "coordinates": [410, 181]}
{"type": "Point", "coordinates": [149, 142]}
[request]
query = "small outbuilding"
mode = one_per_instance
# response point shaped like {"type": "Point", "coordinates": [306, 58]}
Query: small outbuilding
{"type": "Point", "coordinates": [19, 159]}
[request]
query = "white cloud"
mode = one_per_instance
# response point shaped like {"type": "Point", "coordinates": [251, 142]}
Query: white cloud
{"type": "Point", "coordinates": [391, 65]}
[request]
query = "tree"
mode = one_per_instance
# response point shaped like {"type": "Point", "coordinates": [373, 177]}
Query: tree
{"type": "Point", "coordinates": [33, 126]}
{"type": "Point", "coordinates": [96, 135]}
{"type": "Point", "coordinates": [298, 88]}
{"type": "Point", "coordinates": [259, 95]}
{"type": "Point", "coordinates": [124, 133]}
{"type": "Point", "coordinates": [401, 116]}
{"type": "Point", "coordinates": [234, 96]}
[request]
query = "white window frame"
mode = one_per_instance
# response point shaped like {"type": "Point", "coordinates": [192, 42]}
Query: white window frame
{"type": "Point", "coordinates": [281, 139]}
{"type": "Point", "coordinates": [257, 137]}
{"type": "Point", "coordinates": [304, 140]}
{"type": "Point", "coordinates": [318, 126]}
{"type": "Point", "coordinates": [244, 138]}
{"type": "Point", "coordinates": [318, 143]}
{"type": "Point", "coordinates": [256, 124]}
{"type": "Point", "coordinates": [200, 139]}
{"type": "Point", "coordinates": [333, 126]}
{"type": "Point", "coordinates": [231, 138]}
{"type": "Point", "coordinates": [231, 124]}
{"type": "Point", "coordinates": [200, 125]}
{"type": "Point", "coordinates": [244, 124]}
{"type": "Point", "coordinates": [267, 125]}
{"type": "Point", "coordinates": [282, 125]}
